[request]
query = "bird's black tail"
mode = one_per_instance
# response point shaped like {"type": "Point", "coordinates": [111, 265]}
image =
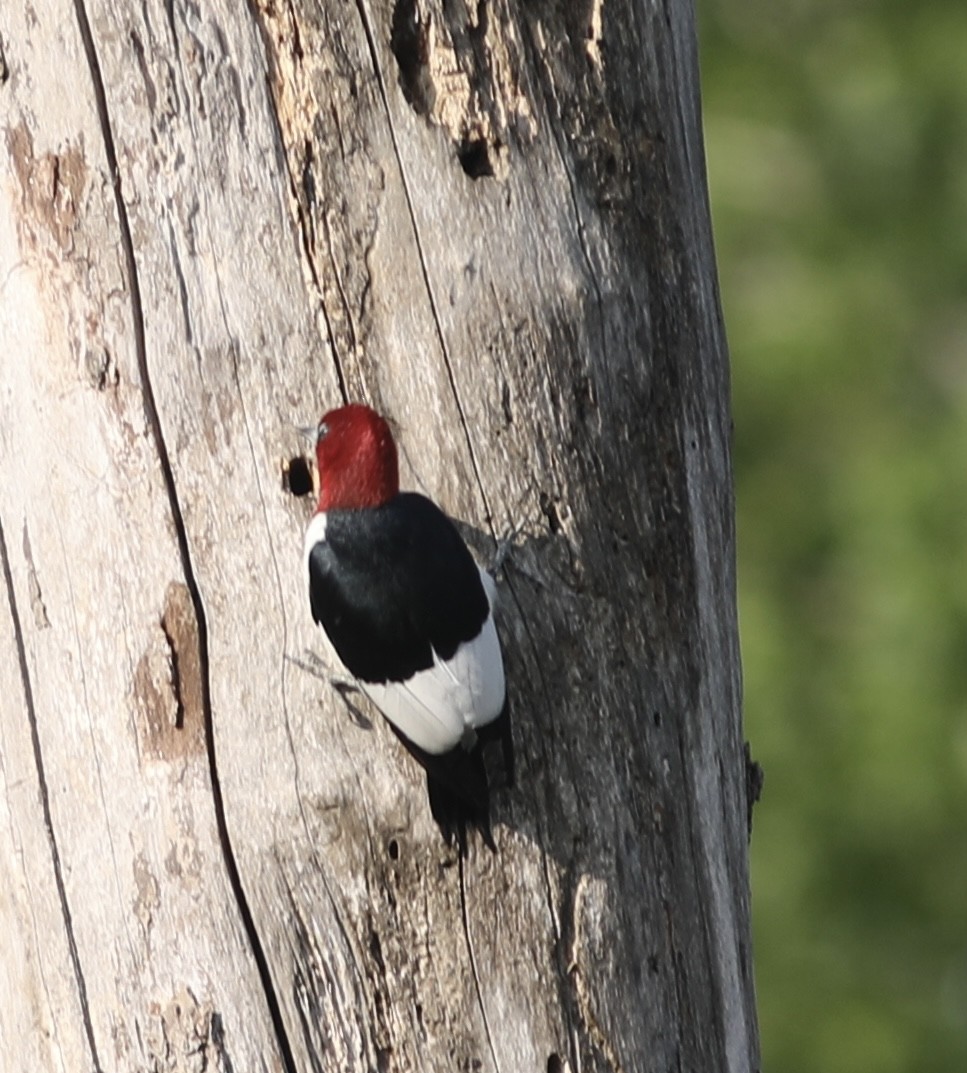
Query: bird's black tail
{"type": "Point", "coordinates": [458, 786]}
{"type": "Point", "coordinates": [457, 812]}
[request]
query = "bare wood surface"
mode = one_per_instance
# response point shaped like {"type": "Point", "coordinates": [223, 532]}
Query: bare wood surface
{"type": "Point", "coordinates": [489, 221]}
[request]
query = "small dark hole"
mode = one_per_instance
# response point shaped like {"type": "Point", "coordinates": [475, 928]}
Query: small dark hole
{"type": "Point", "coordinates": [376, 949]}
{"type": "Point", "coordinates": [555, 1063]}
{"type": "Point", "coordinates": [296, 476]}
{"type": "Point", "coordinates": [653, 964]}
{"type": "Point", "coordinates": [474, 156]}
{"type": "Point", "coordinates": [393, 849]}
{"type": "Point", "coordinates": [549, 508]}
{"type": "Point", "coordinates": [657, 719]}
{"type": "Point", "coordinates": [308, 178]}
{"type": "Point", "coordinates": [410, 42]}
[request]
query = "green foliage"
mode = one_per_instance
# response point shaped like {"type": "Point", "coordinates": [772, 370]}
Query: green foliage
{"type": "Point", "coordinates": [837, 153]}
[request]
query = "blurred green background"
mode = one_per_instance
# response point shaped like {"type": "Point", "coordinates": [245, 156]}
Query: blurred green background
{"type": "Point", "coordinates": [836, 136]}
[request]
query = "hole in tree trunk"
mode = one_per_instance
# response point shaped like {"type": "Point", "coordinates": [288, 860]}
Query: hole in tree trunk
{"type": "Point", "coordinates": [474, 155]}
{"type": "Point", "coordinates": [296, 476]}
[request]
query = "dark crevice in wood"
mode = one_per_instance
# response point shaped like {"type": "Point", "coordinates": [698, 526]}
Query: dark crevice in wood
{"type": "Point", "coordinates": [45, 806]}
{"type": "Point", "coordinates": [424, 268]}
{"type": "Point", "coordinates": [82, 678]}
{"type": "Point", "coordinates": [297, 776]}
{"type": "Point", "coordinates": [464, 913]}
{"type": "Point", "coordinates": [568, 1004]}
{"type": "Point", "coordinates": [308, 251]}
{"type": "Point", "coordinates": [334, 1025]}
{"type": "Point", "coordinates": [182, 289]}
{"type": "Point", "coordinates": [308, 244]}
{"type": "Point", "coordinates": [154, 423]}
{"type": "Point", "coordinates": [409, 40]}
{"type": "Point", "coordinates": [173, 655]}
{"type": "Point", "coordinates": [706, 901]}
{"type": "Point", "coordinates": [39, 610]}
{"type": "Point", "coordinates": [344, 298]}
{"type": "Point", "coordinates": [539, 62]}
{"type": "Point", "coordinates": [304, 223]}
{"type": "Point", "coordinates": [563, 932]}
{"type": "Point", "coordinates": [139, 54]}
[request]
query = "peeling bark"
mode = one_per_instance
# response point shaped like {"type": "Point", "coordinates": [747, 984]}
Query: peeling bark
{"type": "Point", "coordinates": [490, 221]}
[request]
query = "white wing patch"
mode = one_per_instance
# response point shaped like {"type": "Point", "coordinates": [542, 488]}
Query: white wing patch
{"type": "Point", "coordinates": [438, 708]}
{"type": "Point", "coordinates": [315, 534]}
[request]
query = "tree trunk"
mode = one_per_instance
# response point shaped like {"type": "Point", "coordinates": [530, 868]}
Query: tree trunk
{"type": "Point", "coordinates": [490, 221]}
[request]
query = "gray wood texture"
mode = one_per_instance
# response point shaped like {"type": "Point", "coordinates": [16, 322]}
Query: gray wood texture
{"type": "Point", "coordinates": [490, 221]}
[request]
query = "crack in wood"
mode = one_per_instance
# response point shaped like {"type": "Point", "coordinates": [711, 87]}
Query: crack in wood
{"type": "Point", "coordinates": [181, 633]}
{"type": "Point", "coordinates": [424, 266]}
{"type": "Point", "coordinates": [182, 290]}
{"type": "Point", "coordinates": [329, 1001]}
{"type": "Point", "coordinates": [473, 961]}
{"type": "Point", "coordinates": [596, 1032]}
{"type": "Point", "coordinates": [700, 867]}
{"type": "Point", "coordinates": [291, 107]}
{"type": "Point", "coordinates": [540, 63]}
{"type": "Point", "coordinates": [44, 794]}
{"type": "Point", "coordinates": [154, 423]}
{"type": "Point", "coordinates": [37, 607]}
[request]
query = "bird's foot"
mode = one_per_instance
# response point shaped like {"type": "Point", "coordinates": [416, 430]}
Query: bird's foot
{"type": "Point", "coordinates": [347, 691]}
{"type": "Point", "coordinates": [505, 545]}
{"type": "Point", "coordinates": [312, 663]}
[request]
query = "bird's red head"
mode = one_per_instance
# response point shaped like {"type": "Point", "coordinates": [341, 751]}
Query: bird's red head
{"type": "Point", "coordinates": [357, 461]}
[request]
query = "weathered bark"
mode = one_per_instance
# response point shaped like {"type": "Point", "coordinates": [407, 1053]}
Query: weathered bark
{"type": "Point", "coordinates": [490, 221]}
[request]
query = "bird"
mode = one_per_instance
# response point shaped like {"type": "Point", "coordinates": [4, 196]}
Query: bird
{"type": "Point", "coordinates": [410, 615]}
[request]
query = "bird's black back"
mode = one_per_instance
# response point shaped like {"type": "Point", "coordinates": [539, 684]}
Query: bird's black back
{"type": "Point", "coordinates": [392, 584]}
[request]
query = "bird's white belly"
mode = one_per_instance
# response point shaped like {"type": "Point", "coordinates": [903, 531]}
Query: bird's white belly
{"type": "Point", "coordinates": [438, 706]}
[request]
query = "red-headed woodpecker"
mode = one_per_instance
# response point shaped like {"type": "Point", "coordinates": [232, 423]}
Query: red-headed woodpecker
{"type": "Point", "coordinates": [410, 615]}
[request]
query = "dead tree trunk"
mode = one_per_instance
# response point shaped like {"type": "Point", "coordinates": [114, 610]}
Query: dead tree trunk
{"type": "Point", "coordinates": [489, 220]}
